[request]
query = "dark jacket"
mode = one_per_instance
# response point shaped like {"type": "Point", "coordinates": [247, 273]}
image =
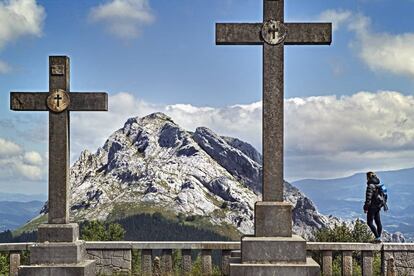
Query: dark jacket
{"type": "Point", "coordinates": [370, 192]}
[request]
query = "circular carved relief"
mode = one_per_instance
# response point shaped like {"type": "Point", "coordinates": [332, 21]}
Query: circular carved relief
{"type": "Point", "coordinates": [274, 32]}
{"type": "Point", "coordinates": [58, 100]}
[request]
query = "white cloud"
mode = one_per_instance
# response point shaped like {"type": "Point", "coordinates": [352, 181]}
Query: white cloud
{"type": "Point", "coordinates": [90, 130]}
{"type": "Point", "coordinates": [338, 18]}
{"type": "Point", "coordinates": [123, 18]}
{"type": "Point", "coordinates": [19, 18]}
{"type": "Point", "coordinates": [330, 136]}
{"type": "Point", "coordinates": [16, 164]}
{"type": "Point", "coordinates": [325, 136]}
{"type": "Point", "coordinates": [379, 50]}
{"type": "Point", "coordinates": [33, 158]}
{"type": "Point", "coordinates": [8, 148]}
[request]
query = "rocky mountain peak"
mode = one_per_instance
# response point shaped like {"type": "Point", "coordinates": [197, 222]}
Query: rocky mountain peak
{"type": "Point", "coordinates": [151, 162]}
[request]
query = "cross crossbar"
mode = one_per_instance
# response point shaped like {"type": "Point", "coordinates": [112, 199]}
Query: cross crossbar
{"type": "Point", "coordinates": [250, 34]}
{"type": "Point", "coordinates": [79, 101]}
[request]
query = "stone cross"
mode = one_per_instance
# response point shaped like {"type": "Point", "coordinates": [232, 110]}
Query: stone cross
{"type": "Point", "coordinates": [59, 101]}
{"type": "Point", "coordinates": [273, 34]}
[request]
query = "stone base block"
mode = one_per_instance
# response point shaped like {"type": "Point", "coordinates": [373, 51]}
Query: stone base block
{"type": "Point", "coordinates": [273, 249]}
{"type": "Point", "coordinates": [57, 253]}
{"type": "Point", "coordinates": [235, 260]}
{"type": "Point", "coordinates": [273, 219]}
{"type": "Point", "coordinates": [309, 268]}
{"type": "Point", "coordinates": [85, 268]}
{"type": "Point", "coordinates": [58, 232]}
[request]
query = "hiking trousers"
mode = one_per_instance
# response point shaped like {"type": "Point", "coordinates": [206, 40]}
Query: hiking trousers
{"type": "Point", "coordinates": [374, 215]}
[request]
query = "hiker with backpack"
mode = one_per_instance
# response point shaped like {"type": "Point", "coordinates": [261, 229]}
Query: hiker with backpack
{"type": "Point", "coordinates": [375, 199]}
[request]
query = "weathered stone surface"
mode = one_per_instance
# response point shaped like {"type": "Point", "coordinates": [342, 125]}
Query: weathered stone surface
{"type": "Point", "coordinates": [273, 219]}
{"type": "Point", "coordinates": [367, 262]}
{"type": "Point", "coordinates": [57, 253]}
{"type": "Point", "coordinates": [346, 246]}
{"type": "Point", "coordinates": [327, 263]}
{"type": "Point", "coordinates": [402, 262]}
{"type": "Point", "coordinates": [347, 263]}
{"type": "Point", "coordinates": [186, 262]}
{"type": "Point", "coordinates": [310, 268]}
{"type": "Point", "coordinates": [110, 261]}
{"type": "Point", "coordinates": [146, 262]}
{"type": "Point", "coordinates": [236, 253]}
{"type": "Point", "coordinates": [273, 249]}
{"type": "Point", "coordinates": [166, 262]}
{"type": "Point", "coordinates": [59, 149]}
{"type": "Point", "coordinates": [79, 101]}
{"type": "Point", "coordinates": [85, 268]}
{"type": "Point", "coordinates": [206, 264]}
{"type": "Point", "coordinates": [14, 263]}
{"type": "Point", "coordinates": [58, 232]}
{"type": "Point", "coordinates": [225, 262]}
{"type": "Point", "coordinates": [309, 34]}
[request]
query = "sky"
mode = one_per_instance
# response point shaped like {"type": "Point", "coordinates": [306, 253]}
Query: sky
{"type": "Point", "coordinates": [348, 106]}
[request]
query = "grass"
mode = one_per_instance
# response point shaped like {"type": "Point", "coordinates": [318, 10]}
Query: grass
{"type": "Point", "coordinates": [31, 226]}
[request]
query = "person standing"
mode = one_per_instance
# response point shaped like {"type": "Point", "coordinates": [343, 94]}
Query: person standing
{"type": "Point", "coordinates": [372, 206]}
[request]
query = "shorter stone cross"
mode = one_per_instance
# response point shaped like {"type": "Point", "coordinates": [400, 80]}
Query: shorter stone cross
{"type": "Point", "coordinates": [58, 101]}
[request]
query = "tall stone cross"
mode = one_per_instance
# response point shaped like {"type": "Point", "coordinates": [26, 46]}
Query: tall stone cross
{"type": "Point", "coordinates": [273, 34]}
{"type": "Point", "coordinates": [59, 101]}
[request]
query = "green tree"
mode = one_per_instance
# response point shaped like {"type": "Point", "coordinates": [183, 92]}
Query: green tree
{"type": "Point", "coordinates": [4, 264]}
{"type": "Point", "coordinates": [361, 232]}
{"type": "Point", "coordinates": [342, 233]}
{"type": "Point", "coordinates": [96, 230]}
{"type": "Point", "coordinates": [116, 232]}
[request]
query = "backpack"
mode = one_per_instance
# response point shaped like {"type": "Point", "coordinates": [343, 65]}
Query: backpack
{"type": "Point", "coordinates": [381, 196]}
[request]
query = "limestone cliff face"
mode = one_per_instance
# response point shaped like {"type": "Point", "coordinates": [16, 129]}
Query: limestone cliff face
{"type": "Point", "coordinates": [152, 161]}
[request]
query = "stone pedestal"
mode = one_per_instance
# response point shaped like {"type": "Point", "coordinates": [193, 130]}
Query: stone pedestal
{"type": "Point", "coordinates": [308, 268]}
{"type": "Point", "coordinates": [58, 252]}
{"type": "Point", "coordinates": [272, 219]}
{"type": "Point", "coordinates": [273, 250]}
{"type": "Point", "coordinates": [58, 232]}
{"type": "Point", "coordinates": [84, 268]}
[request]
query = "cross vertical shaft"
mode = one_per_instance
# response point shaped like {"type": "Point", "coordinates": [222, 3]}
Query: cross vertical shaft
{"type": "Point", "coordinates": [273, 94]}
{"type": "Point", "coordinates": [273, 250]}
{"type": "Point", "coordinates": [273, 123]}
{"type": "Point", "coordinates": [273, 10]}
{"type": "Point", "coordinates": [59, 146]}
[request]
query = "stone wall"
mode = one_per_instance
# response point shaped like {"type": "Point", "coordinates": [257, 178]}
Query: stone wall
{"type": "Point", "coordinates": [109, 261]}
{"type": "Point", "coordinates": [403, 262]}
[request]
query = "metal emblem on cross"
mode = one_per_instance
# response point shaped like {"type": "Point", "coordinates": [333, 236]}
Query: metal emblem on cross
{"type": "Point", "coordinates": [58, 100]}
{"type": "Point", "coordinates": [274, 32]}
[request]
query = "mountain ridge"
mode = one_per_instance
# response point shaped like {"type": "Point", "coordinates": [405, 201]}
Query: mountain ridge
{"type": "Point", "coordinates": [153, 166]}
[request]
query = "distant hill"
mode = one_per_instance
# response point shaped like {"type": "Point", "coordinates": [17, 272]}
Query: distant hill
{"type": "Point", "coordinates": [14, 214]}
{"type": "Point", "coordinates": [22, 197]}
{"type": "Point", "coordinates": [344, 197]}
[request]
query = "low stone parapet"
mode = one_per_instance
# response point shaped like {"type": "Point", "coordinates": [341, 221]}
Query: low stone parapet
{"type": "Point", "coordinates": [114, 257]}
{"type": "Point", "coordinates": [109, 261]}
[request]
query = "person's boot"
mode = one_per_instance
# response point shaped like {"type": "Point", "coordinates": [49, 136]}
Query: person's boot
{"type": "Point", "coordinates": [378, 240]}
